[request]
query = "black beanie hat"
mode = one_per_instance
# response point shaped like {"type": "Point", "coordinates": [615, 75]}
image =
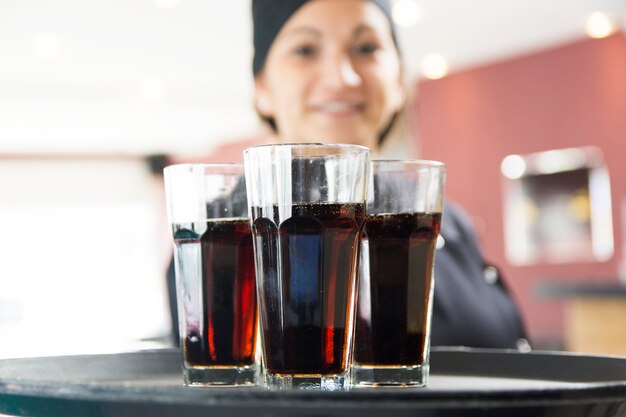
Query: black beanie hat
{"type": "Point", "coordinates": [269, 16]}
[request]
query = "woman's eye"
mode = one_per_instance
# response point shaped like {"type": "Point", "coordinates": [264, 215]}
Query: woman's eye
{"type": "Point", "coordinates": [305, 50]}
{"type": "Point", "coordinates": [366, 48]}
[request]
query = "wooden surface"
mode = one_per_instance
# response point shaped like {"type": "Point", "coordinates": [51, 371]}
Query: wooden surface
{"type": "Point", "coordinates": [596, 325]}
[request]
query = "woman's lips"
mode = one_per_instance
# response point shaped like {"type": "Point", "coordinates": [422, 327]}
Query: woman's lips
{"type": "Point", "coordinates": [339, 108]}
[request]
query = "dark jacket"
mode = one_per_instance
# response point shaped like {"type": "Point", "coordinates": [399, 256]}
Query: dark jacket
{"type": "Point", "coordinates": [472, 306]}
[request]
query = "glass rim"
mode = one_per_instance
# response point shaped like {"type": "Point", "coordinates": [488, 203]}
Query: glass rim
{"type": "Point", "coordinates": [189, 165]}
{"type": "Point", "coordinates": [426, 163]}
{"type": "Point", "coordinates": [310, 145]}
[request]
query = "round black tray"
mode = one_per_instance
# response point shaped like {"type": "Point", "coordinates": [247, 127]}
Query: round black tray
{"type": "Point", "coordinates": [464, 382]}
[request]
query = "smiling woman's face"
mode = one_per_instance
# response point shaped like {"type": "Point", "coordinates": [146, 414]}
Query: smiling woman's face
{"type": "Point", "coordinates": [332, 75]}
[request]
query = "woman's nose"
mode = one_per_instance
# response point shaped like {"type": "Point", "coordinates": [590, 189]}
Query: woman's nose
{"type": "Point", "coordinates": [339, 72]}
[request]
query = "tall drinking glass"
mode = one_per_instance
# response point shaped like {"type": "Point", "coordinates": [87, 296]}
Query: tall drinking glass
{"type": "Point", "coordinates": [214, 264]}
{"type": "Point", "coordinates": [307, 206]}
{"type": "Point", "coordinates": [392, 335]}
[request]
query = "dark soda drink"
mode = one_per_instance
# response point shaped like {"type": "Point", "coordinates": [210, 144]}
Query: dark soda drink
{"type": "Point", "coordinates": [306, 268]}
{"type": "Point", "coordinates": [226, 334]}
{"type": "Point", "coordinates": [397, 257]}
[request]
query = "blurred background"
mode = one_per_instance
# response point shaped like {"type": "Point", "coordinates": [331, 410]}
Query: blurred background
{"type": "Point", "coordinates": [524, 100]}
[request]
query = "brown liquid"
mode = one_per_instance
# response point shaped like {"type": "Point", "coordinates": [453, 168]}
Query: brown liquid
{"type": "Point", "coordinates": [228, 297]}
{"type": "Point", "coordinates": [392, 311]}
{"type": "Point", "coordinates": [307, 271]}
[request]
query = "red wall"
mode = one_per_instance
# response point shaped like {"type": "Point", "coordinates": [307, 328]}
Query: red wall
{"type": "Point", "coordinates": [574, 95]}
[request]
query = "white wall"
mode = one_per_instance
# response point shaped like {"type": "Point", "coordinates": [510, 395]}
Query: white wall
{"type": "Point", "coordinates": [83, 249]}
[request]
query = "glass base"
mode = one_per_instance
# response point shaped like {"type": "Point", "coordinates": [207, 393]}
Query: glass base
{"type": "Point", "coordinates": [307, 382]}
{"type": "Point", "coordinates": [376, 376]}
{"type": "Point", "coordinates": [220, 376]}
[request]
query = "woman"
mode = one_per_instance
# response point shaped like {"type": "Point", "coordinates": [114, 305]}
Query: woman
{"type": "Point", "coordinates": [330, 71]}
